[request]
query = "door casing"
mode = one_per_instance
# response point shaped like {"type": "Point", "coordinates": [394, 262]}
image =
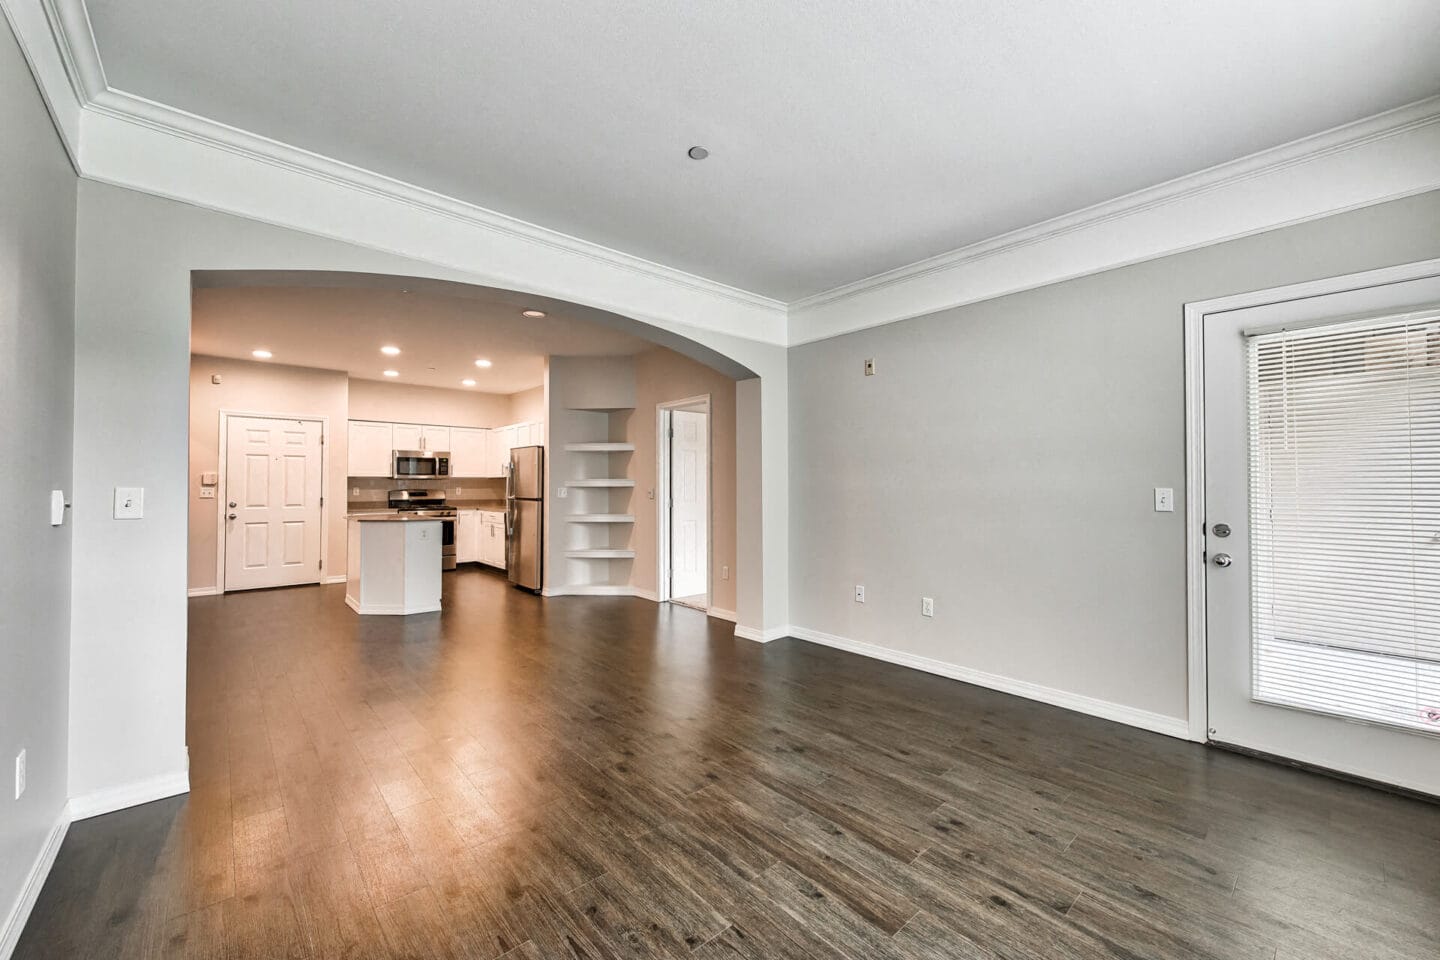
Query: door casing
{"type": "Point", "coordinates": [1195, 570]}
{"type": "Point", "coordinates": [221, 494]}
{"type": "Point", "coordinates": [662, 486]}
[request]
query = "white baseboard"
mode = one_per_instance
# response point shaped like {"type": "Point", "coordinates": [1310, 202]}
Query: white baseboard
{"type": "Point", "coordinates": [203, 591]}
{"type": "Point", "coordinates": [129, 795]}
{"type": "Point", "coordinates": [650, 595]}
{"type": "Point", "coordinates": [590, 590]}
{"type": "Point", "coordinates": [1105, 709]}
{"type": "Point", "coordinates": [719, 614]}
{"type": "Point", "coordinates": [34, 881]}
{"type": "Point", "coordinates": [336, 578]}
{"type": "Point", "coordinates": [763, 636]}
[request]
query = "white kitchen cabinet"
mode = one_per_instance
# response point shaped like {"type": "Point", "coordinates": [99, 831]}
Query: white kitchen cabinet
{"type": "Point", "coordinates": [407, 436]}
{"type": "Point", "coordinates": [370, 447]}
{"type": "Point", "coordinates": [492, 539]}
{"type": "Point", "coordinates": [435, 438]}
{"type": "Point", "coordinates": [470, 452]}
{"type": "Point", "coordinates": [467, 536]}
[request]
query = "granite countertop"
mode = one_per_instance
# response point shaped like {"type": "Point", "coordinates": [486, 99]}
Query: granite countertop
{"type": "Point", "coordinates": [390, 516]}
{"type": "Point", "coordinates": [489, 506]}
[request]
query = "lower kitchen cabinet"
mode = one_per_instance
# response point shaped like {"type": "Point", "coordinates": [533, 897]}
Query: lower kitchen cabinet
{"type": "Point", "coordinates": [492, 539]}
{"type": "Point", "coordinates": [480, 537]}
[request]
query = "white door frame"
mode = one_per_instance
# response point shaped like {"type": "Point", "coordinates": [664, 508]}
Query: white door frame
{"type": "Point", "coordinates": [1195, 313]}
{"type": "Point", "coordinates": [221, 498]}
{"type": "Point", "coordinates": [662, 485]}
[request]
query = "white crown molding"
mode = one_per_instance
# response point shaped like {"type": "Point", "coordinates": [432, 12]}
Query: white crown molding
{"type": "Point", "coordinates": [1105, 709]}
{"type": "Point", "coordinates": [136, 143]}
{"type": "Point", "coordinates": [1384, 157]}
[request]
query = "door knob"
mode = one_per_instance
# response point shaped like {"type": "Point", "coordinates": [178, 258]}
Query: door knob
{"type": "Point", "coordinates": [1222, 560]}
{"type": "Point", "coordinates": [230, 516]}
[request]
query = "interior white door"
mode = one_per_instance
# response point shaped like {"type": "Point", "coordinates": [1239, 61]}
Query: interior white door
{"type": "Point", "coordinates": [273, 502]}
{"type": "Point", "coordinates": [1322, 538]}
{"type": "Point", "coordinates": [689, 503]}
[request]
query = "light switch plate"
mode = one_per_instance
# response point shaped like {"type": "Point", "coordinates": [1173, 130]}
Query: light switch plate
{"type": "Point", "coordinates": [927, 606]}
{"type": "Point", "coordinates": [1164, 500]}
{"type": "Point", "coordinates": [209, 478]}
{"type": "Point", "coordinates": [859, 593]}
{"type": "Point", "coordinates": [57, 507]}
{"type": "Point", "coordinates": [129, 503]}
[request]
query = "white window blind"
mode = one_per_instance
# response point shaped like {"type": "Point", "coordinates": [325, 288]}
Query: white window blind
{"type": "Point", "coordinates": [1345, 519]}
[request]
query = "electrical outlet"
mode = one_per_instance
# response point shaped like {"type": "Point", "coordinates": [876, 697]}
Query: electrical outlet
{"type": "Point", "coordinates": [859, 593]}
{"type": "Point", "coordinates": [927, 606]}
{"type": "Point", "coordinates": [19, 774]}
{"type": "Point", "coordinates": [870, 367]}
{"type": "Point", "coordinates": [354, 491]}
{"type": "Point", "coordinates": [207, 493]}
{"type": "Point", "coordinates": [725, 571]}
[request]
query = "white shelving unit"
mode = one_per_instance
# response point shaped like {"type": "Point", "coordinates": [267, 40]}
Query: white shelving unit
{"type": "Point", "coordinates": [600, 447]}
{"type": "Point", "coordinates": [601, 482]}
{"type": "Point", "coordinates": [599, 539]}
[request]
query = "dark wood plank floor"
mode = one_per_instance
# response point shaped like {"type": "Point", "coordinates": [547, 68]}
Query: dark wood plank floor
{"type": "Point", "coordinates": [602, 778]}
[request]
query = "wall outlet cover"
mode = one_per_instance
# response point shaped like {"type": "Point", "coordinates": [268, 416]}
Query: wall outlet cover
{"type": "Point", "coordinates": [859, 593]}
{"type": "Point", "coordinates": [129, 503]}
{"type": "Point", "coordinates": [870, 367]}
{"type": "Point", "coordinates": [927, 606]}
{"type": "Point", "coordinates": [207, 493]}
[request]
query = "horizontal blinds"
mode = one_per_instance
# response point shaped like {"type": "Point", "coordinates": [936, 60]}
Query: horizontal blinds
{"type": "Point", "coordinates": [1345, 519]}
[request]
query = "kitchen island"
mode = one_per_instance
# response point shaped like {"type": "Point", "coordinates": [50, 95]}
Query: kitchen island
{"type": "Point", "coordinates": [393, 563]}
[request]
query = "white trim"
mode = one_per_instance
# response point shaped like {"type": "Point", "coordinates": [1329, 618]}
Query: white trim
{"type": "Point", "coordinates": [763, 636]}
{"type": "Point", "coordinates": [221, 498]}
{"type": "Point", "coordinates": [720, 614]}
{"type": "Point", "coordinates": [388, 609]}
{"type": "Point", "coordinates": [1384, 157]}
{"type": "Point", "coordinates": [663, 421]}
{"type": "Point", "coordinates": [590, 590]}
{"type": "Point", "coordinates": [1195, 313]}
{"type": "Point", "coordinates": [147, 146]}
{"type": "Point", "coordinates": [645, 594]}
{"type": "Point", "coordinates": [129, 795]}
{"type": "Point", "coordinates": [34, 881]}
{"type": "Point", "coordinates": [203, 592]}
{"type": "Point", "coordinates": [334, 578]}
{"type": "Point", "coordinates": [1105, 709]}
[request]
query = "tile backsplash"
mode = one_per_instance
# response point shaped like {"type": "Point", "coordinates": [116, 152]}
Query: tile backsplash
{"type": "Point", "coordinates": [377, 489]}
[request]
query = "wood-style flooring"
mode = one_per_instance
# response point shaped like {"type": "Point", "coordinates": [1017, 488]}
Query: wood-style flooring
{"type": "Point", "coordinates": [605, 778]}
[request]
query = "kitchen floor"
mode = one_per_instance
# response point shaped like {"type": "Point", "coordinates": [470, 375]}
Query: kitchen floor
{"type": "Point", "coordinates": [608, 777]}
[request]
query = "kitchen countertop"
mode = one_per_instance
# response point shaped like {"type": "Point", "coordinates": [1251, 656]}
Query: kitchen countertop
{"type": "Point", "coordinates": [390, 516]}
{"type": "Point", "coordinates": [357, 507]}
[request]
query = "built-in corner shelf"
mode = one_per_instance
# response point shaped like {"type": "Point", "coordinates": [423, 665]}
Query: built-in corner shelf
{"type": "Point", "coordinates": [602, 482]}
{"type": "Point", "coordinates": [601, 553]}
{"type": "Point", "coordinates": [600, 447]}
{"type": "Point", "coordinates": [601, 518]}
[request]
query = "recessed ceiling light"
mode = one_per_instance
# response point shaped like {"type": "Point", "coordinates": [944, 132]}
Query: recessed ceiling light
{"type": "Point", "coordinates": [468, 382]}
{"type": "Point", "coordinates": [261, 354]}
{"type": "Point", "coordinates": [482, 363]}
{"type": "Point", "coordinates": [392, 373]}
{"type": "Point", "coordinates": [390, 351]}
{"type": "Point", "coordinates": [533, 314]}
{"type": "Point", "coordinates": [697, 153]}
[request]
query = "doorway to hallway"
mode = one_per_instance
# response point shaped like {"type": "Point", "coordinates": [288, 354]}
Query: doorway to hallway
{"type": "Point", "coordinates": [684, 511]}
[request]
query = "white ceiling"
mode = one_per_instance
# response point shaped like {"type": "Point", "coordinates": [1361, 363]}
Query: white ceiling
{"type": "Point", "coordinates": [440, 337]}
{"type": "Point", "coordinates": [847, 137]}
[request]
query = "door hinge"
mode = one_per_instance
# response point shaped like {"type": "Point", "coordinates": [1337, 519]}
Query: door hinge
{"type": "Point", "coordinates": [322, 501]}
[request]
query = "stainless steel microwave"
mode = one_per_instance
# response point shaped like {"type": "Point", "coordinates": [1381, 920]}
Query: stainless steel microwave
{"type": "Point", "coordinates": [421, 464]}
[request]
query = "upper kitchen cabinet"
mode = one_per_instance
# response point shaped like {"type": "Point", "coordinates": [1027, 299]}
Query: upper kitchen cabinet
{"type": "Point", "coordinates": [408, 436]}
{"type": "Point", "coordinates": [470, 452]}
{"type": "Point", "coordinates": [371, 445]}
{"type": "Point", "coordinates": [435, 438]}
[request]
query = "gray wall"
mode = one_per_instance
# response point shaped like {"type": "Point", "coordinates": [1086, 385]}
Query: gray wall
{"type": "Point", "coordinates": [1002, 461]}
{"type": "Point", "coordinates": [37, 351]}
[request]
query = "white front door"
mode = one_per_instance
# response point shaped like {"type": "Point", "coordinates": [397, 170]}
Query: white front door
{"type": "Point", "coordinates": [1322, 530]}
{"type": "Point", "coordinates": [689, 504]}
{"type": "Point", "coordinates": [272, 505]}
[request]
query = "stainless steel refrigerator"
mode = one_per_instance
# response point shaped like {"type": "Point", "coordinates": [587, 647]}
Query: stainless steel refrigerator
{"type": "Point", "coordinates": [524, 517]}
